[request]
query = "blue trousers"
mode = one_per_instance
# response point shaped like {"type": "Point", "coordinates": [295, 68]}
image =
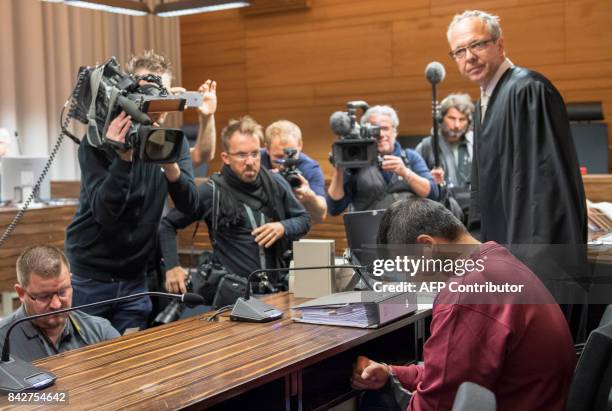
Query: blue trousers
{"type": "Point", "coordinates": [122, 315]}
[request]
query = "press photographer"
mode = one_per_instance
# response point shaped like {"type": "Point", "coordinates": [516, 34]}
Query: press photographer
{"type": "Point", "coordinates": [251, 214]}
{"type": "Point", "coordinates": [356, 146]}
{"type": "Point", "coordinates": [205, 100]}
{"type": "Point", "coordinates": [398, 173]}
{"type": "Point", "coordinates": [106, 92]}
{"type": "Point", "coordinates": [283, 152]}
{"type": "Point", "coordinates": [288, 167]}
{"type": "Point", "coordinates": [123, 187]}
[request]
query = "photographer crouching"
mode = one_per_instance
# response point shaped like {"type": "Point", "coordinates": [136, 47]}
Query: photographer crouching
{"type": "Point", "coordinates": [129, 164]}
{"type": "Point", "coordinates": [395, 174]}
{"type": "Point", "coordinates": [283, 153]}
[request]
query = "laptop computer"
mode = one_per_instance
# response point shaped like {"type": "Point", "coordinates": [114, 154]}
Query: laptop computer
{"type": "Point", "coordinates": [361, 229]}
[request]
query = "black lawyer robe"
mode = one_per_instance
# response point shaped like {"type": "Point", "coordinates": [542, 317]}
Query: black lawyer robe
{"type": "Point", "coordinates": [526, 182]}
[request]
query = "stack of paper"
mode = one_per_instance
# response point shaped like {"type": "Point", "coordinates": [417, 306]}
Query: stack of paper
{"type": "Point", "coordinates": [361, 309]}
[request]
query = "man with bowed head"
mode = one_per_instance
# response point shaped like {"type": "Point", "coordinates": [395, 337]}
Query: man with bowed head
{"type": "Point", "coordinates": [518, 345]}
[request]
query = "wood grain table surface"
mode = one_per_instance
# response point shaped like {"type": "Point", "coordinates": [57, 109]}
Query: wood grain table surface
{"type": "Point", "coordinates": [194, 363]}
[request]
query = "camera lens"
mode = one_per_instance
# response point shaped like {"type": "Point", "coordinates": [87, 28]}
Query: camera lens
{"type": "Point", "coordinates": [294, 181]}
{"type": "Point", "coordinates": [171, 313]}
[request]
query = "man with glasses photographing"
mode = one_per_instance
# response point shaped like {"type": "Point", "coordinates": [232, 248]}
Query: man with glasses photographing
{"type": "Point", "coordinates": [251, 213]}
{"type": "Point", "coordinates": [43, 285]}
{"type": "Point", "coordinates": [525, 186]}
{"type": "Point", "coordinates": [400, 174]}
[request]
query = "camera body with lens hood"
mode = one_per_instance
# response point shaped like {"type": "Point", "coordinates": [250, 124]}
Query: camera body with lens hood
{"type": "Point", "coordinates": [103, 91]}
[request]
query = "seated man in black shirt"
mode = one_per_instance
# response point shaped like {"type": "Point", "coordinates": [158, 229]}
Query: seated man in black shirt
{"type": "Point", "coordinates": [43, 285]}
{"type": "Point", "coordinates": [251, 213]}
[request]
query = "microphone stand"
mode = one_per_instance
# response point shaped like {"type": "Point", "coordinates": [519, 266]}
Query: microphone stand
{"type": "Point", "coordinates": [434, 114]}
{"type": "Point", "coordinates": [17, 375]}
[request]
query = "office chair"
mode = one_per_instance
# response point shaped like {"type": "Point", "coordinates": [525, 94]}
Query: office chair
{"type": "Point", "coordinates": [590, 387]}
{"type": "Point", "coordinates": [473, 397]}
{"type": "Point", "coordinates": [606, 319]}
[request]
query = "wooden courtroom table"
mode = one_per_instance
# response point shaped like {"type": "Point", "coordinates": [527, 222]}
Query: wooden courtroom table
{"type": "Point", "coordinates": [226, 365]}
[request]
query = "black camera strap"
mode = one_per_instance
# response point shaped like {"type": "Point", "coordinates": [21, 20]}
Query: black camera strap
{"type": "Point", "coordinates": [262, 251]}
{"type": "Point", "coordinates": [215, 210]}
{"type": "Point", "coordinates": [405, 158]}
{"type": "Point", "coordinates": [111, 103]}
{"type": "Point", "coordinates": [92, 126]}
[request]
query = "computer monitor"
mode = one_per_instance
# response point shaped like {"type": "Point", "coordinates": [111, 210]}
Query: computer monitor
{"type": "Point", "coordinates": [361, 231]}
{"type": "Point", "coordinates": [19, 175]}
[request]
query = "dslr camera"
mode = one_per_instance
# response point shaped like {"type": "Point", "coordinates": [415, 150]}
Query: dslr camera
{"type": "Point", "coordinates": [357, 146]}
{"type": "Point", "coordinates": [290, 171]}
{"type": "Point", "coordinates": [103, 91]}
{"type": "Point", "coordinates": [173, 311]}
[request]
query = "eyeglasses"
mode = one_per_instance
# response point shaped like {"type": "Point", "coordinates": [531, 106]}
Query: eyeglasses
{"type": "Point", "coordinates": [243, 156]}
{"type": "Point", "coordinates": [475, 47]}
{"type": "Point", "coordinates": [387, 129]}
{"type": "Point", "coordinates": [45, 299]}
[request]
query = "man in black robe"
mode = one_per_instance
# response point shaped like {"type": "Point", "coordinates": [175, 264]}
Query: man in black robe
{"type": "Point", "coordinates": [526, 184]}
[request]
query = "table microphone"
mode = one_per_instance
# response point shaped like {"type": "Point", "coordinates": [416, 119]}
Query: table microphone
{"type": "Point", "coordinates": [254, 310]}
{"type": "Point", "coordinates": [17, 375]}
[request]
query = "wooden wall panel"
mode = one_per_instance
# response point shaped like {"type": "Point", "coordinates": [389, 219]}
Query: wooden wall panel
{"type": "Point", "coordinates": [39, 226]}
{"type": "Point", "coordinates": [588, 31]}
{"type": "Point", "coordinates": [304, 65]}
{"type": "Point", "coordinates": [312, 58]}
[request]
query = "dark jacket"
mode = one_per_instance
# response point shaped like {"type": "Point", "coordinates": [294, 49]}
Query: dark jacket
{"type": "Point", "coordinates": [235, 248]}
{"type": "Point", "coordinates": [114, 231]}
{"type": "Point", "coordinates": [370, 188]}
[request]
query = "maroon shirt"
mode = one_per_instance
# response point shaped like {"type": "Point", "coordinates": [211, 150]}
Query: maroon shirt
{"type": "Point", "coordinates": [522, 352]}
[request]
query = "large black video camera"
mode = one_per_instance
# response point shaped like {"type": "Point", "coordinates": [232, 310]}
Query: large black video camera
{"type": "Point", "coordinates": [290, 171]}
{"type": "Point", "coordinates": [357, 146]}
{"type": "Point", "coordinates": [103, 91]}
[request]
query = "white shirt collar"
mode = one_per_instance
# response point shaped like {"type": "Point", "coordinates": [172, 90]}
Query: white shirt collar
{"type": "Point", "coordinates": [469, 137]}
{"type": "Point", "coordinates": [506, 64]}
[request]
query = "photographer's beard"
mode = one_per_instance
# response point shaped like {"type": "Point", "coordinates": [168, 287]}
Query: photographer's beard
{"type": "Point", "coordinates": [248, 173]}
{"type": "Point", "coordinates": [453, 134]}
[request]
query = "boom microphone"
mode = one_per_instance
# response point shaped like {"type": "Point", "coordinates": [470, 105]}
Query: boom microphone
{"type": "Point", "coordinates": [435, 72]}
{"type": "Point", "coordinates": [340, 123]}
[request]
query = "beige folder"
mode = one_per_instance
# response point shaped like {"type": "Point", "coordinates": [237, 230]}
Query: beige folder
{"type": "Point", "coordinates": [313, 283]}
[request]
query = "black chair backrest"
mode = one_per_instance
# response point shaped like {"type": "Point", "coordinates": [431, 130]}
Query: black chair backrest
{"type": "Point", "coordinates": [592, 380]}
{"type": "Point", "coordinates": [473, 397]}
{"type": "Point", "coordinates": [606, 318]}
